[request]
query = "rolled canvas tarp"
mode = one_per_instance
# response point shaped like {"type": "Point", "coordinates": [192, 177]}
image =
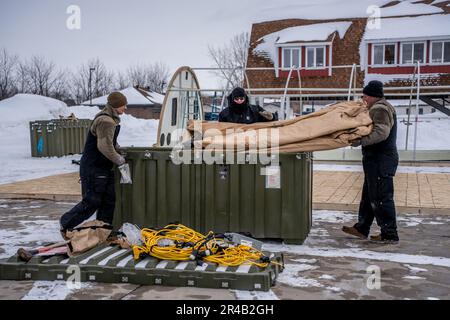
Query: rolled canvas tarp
{"type": "Point", "coordinates": [330, 128]}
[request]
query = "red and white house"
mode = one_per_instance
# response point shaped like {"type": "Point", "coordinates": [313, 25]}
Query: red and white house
{"type": "Point", "coordinates": [398, 43]}
{"type": "Point", "coordinates": [325, 50]}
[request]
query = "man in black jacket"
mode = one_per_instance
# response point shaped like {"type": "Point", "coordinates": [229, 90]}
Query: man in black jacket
{"type": "Point", "coordinates": [380, 161]}
{"type": "Point", "coordinates": [241, 111]}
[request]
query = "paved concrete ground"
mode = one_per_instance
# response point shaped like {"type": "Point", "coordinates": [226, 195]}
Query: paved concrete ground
{"type": "Point", "coordinates": [414, 192]}
{"type": "Point", "coordinates": [330, 265]}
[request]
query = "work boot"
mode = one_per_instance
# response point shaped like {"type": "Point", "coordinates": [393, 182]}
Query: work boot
{"type": "Point", "coordinates": [379, 238]}
{"type": "Point", "coordinates": [354, 232]}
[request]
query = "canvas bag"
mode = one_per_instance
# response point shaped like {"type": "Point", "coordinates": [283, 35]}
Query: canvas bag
{"type": "Point", "coordinates": [87, 236]}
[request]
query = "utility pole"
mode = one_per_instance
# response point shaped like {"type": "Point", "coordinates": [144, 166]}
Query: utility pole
{"type": "Point", "coordinates": [90, 84]}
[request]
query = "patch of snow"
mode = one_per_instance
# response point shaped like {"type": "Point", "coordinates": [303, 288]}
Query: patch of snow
{"type": "Point", "coordinates": [414, 278]}
{"type": "Point", "coordinates": [406, 8]}
{"type": "Point", "coordinates": [438, 1]}
{"type": "Point", "coordinates": [334, 9]}
{"type": "Point", "coordinates": [406, 27]}
{"type": "Point", "coordinates": [255, 295]}
{"type": "Point", "coordinates": [415, 269]}
{"type": "Point", "coordinates": [4, 206]}
{"type": "Point", "coordinates": [327, 277]}
{"type": "Point", "coordinates": [311, 261]}
{"type": "Point", "coordinates": [359, 254]}
{"type": "Point", "coordinates": [432, 298]}
{"type": "Point", "coordinates": [409, 221]}
{"type": "Point", "coordinates": [334, 289]}
{"type": "Point", "coordinates": [332, 216]}
{"type": "Point", "coordinates": [290, 276]}
{"type": "Point", "coordinates": [359, 168]}
{"type": "Point", "coordinates": [38, 231]}
{"type": "Point", "coordinates": [312, 32]}
{"type": "Point", "coordinates": [51, 290]}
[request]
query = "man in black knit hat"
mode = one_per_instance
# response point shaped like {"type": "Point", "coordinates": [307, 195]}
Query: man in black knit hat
{"type": "Point", "coordinates": [380, 161]}
{"type": "Point", "coordinates": [239, 110]}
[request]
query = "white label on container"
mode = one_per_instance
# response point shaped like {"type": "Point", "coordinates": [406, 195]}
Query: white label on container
{"type": "Point", "coordinates": [273, 177]}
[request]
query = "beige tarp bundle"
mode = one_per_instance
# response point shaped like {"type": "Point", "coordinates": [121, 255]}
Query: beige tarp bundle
{"type": "Point", "coordinates": [330, 128]}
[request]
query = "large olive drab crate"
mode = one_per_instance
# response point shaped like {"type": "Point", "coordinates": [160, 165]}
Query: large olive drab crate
{"type": "Point", "coordinates": [217, 197]}
{"type": "Point", "coordinates": [58, 137]}
{"type": "Point", "coordinates": [111, 264]}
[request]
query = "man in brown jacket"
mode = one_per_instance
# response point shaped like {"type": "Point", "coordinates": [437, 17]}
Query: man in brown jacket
{"type": "Point", "coordinates": [380, 161]}
{"type": "Point", "coordinates": [96, 166]}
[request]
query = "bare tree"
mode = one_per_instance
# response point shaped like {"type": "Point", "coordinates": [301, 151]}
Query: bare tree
{"type": "Point", "coordinates": [153, 77]}
{"type": "Point", "coordinates": [8, 63]}
{"type": "Point", "coordinates": [22, 82]}
{"type": "Point", "coordinates": [121, 81]}
{"type": "Point", "coordinates": [137, 75]}
{"type": "Point", "coordinates": [158, 77]}
{"type": "Point", "coordinates": [60, 89]}
{"type": "Point", "coordinates": [231, 58]}
{"type": "Point", "coordinates": [99, 80]}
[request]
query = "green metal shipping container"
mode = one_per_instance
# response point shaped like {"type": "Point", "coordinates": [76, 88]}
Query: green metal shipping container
{"type": "Point", "coordinates": [58, 137]}
{"type": "Point", "coordinates": [218, 197]}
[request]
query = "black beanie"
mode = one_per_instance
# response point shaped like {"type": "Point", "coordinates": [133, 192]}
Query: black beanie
{"type": "Point", "coordinates": [374, 89]}
{"type": "Point", "coordinates": [238, 92]}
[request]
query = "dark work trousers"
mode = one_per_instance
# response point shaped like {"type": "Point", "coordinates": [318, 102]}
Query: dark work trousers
{"type": "Point", "coordinates": [377, 200]}
{"type": "Point", "coordinates": [98, 192]}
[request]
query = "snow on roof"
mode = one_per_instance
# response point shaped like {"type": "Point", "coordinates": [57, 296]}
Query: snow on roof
{"type": "Point", "coordinates": [410, 27]}
{"type": "Point", "coordinates": [334, 9]}
{"type": "Point", "coordinates": [134, 97]}
{"type": "Point", "coordinates": [312, 32]}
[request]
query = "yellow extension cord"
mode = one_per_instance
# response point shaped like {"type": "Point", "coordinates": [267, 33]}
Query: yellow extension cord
{"type": "Point", "coordinates": [180, 243]}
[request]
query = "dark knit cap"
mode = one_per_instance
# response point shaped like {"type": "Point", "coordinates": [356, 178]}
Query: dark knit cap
{"type": "Point", "coordinates": [117, 100]}
{"type": "Point", "coordinates": [374, 89]}
{"type": "Point", "coordinates": [238, 92]}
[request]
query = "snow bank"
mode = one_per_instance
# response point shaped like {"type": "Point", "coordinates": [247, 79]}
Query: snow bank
{"type": "Point", "coordinates": [15, 154]}
{"type": "Point", "coordinates": [23, 108]}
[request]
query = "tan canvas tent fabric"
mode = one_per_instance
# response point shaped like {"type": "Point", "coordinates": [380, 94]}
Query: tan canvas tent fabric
{"type": "Point", "coordinates": [330, 128]}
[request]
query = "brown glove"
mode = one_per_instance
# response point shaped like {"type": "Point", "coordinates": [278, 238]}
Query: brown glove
{"type": "Point", "coordinates": [266, 114]}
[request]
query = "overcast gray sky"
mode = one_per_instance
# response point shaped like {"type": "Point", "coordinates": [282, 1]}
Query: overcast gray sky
{"type": "Point", "coordinates": [120, 33]}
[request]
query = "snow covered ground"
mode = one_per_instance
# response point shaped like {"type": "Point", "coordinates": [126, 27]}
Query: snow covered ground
{"type": "Point", "coordinates": [329, 265]}
{"type": "Point", "coordinates": [15, 154]}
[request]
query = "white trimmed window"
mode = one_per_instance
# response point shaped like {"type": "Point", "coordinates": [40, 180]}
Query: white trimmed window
{"type": "Point", "coordinates": [440, 52]}
{"type": "Point", "coordinates": [315, 57]}
{"type": "Point", "coordinates": [412, 52]}
{"type": "Point", "coordinates": [384, 54]}
{"type": "Point", "coordinates": [291, 57]}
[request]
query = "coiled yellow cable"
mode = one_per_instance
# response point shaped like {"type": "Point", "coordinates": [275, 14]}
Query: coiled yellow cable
{"type": "Point", "coordinates": [180, 243]}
